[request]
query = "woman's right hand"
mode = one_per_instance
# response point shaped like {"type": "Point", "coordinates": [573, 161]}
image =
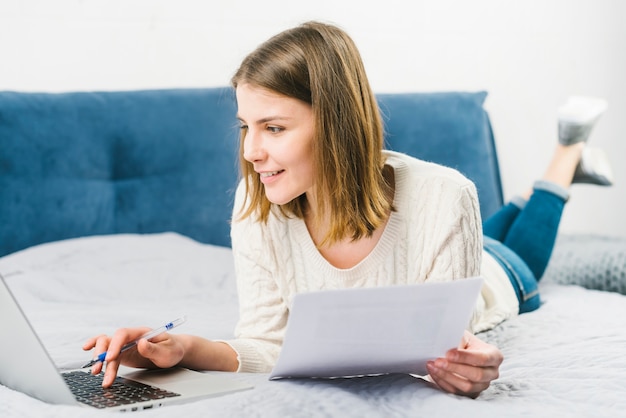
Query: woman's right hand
{"type": "Point", "coordinates": [162, 351]}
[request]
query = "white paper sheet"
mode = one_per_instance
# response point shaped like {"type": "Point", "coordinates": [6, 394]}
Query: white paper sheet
{"type": "Point", "coordinates": [353, 332]}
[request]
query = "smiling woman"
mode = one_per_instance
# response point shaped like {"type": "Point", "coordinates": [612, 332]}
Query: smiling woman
{"type": "Point", "coordinates": [277, 136]}
{"type": "Point", "coordinates": [348, 129]}
{"type": "Point", "coordinates": [321, 205]}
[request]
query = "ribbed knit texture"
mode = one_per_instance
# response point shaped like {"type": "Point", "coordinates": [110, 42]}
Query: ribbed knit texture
{"type": "Point", "coordinates": [435, 234]}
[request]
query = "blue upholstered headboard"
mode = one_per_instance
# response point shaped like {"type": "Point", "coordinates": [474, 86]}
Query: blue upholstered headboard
{"type": "Point", "coordinates": [450, 128]}
{"type": "Point", "coordinates": [79, 164]}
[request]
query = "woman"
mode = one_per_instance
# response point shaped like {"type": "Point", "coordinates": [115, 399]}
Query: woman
{"type": "Point", "coordinates": [322, 206]}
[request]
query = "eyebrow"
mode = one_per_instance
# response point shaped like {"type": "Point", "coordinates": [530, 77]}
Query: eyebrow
{"type": "Point", "coordinates": [267, 119]}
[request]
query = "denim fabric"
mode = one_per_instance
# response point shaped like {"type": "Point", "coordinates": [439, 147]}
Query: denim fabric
{"type": "Point", "coordinates": [521, 278]}
{"type": "Point", "coordinates": [522, 237]}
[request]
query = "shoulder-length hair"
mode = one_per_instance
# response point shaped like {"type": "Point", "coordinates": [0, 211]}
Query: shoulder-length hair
{"type": "Point", "coordinates": [319, 64]}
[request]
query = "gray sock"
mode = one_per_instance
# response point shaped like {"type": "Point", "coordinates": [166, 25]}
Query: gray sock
{"type": "Point", "coordinates": [571, 133]}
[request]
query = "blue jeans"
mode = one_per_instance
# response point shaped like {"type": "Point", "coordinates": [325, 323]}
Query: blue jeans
{"type": "Point", "coordinates": [521, 237]}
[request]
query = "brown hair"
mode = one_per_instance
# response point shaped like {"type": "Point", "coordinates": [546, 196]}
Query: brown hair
{"type": "Point", "coordinates": [319, 64]}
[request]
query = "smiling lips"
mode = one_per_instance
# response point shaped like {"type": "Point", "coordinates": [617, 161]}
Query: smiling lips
{"type": "Point", "coordinates": [269, 173]}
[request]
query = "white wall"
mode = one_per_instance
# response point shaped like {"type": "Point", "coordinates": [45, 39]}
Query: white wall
{"type": "Point", "coordinates": [530, 55]}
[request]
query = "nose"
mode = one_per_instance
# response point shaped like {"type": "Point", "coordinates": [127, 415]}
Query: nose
{"type": "Point", "coordinates": [253, 149]}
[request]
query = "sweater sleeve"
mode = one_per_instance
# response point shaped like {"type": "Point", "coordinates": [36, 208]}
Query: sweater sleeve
{"type": "Point", "coordinates": [262, 310]}
{"type": "Point", "coordinates": [455, 234]}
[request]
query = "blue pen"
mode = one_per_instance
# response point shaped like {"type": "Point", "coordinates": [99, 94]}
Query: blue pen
{"type": "Point", "coordinates": [147, 336]}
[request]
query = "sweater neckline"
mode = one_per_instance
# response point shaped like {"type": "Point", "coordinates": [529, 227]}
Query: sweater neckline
{"type": "Point", "coordinates": [383, 247]}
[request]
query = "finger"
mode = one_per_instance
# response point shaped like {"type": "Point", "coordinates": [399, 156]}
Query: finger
{"type": "Point", "coordinates": [482, 358]}
{"type": "Point", "coordinates": [99, 345]}
{"type": "Point", "coordinates": [90, 343]}
{"type": "Point", "coordinates": [453, 383]}
{"type": "Point", "coordinates": [113, 348]}
{"type": "Point", "coordinates": [96, 368]}
{"type": "Point", "coordinates": [441, 378]}
{"type": "Point", "coordinates": [476, 374]}
{"type": "Point", "coordinates": [437, 376]}
{"type": "Point", "coordinates": [162, 351]}
{"type": "Point", "coordinates": [122, 337]}
{"type": "Point", "coordinates": [110, 372]}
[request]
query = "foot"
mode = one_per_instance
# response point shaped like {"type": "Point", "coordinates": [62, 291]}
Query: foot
{"type": "Point", "coordinates": [594, 168]}
{"type": "Point", "coordinates": [577, 117]}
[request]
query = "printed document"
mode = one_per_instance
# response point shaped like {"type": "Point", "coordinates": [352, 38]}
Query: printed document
{"type": "Point", "coordinates": [366, 331]}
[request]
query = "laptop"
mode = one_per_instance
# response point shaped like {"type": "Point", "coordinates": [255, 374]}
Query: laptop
{"type": "Point", "coordinates": [26, 366]}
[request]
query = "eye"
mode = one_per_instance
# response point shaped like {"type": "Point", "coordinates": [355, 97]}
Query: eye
{"type": "Point", "coordinates": [243, 127]}
{"type": "Point", "coordinates": [275, 129]}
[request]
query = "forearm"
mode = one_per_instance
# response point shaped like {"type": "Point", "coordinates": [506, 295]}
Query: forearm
{"type": "Point", "coordinates": [203, 354]}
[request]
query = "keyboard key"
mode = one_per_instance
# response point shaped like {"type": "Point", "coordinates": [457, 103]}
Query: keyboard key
{"type": "Point", "coordinates": [87, 389]}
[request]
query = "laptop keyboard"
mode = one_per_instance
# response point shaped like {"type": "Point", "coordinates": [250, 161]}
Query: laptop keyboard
{"type": "Point", "coordinates": [87, 388]}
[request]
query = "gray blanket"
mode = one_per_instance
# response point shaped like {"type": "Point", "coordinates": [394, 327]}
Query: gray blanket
{"type": "Point", "coordinates": [589, 260]}
{"type": "Point", "coordinates": [566, 359]}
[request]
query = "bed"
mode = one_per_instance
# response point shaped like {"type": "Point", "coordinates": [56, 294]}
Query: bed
{"type": "Point", "coordinates": [91, 240]}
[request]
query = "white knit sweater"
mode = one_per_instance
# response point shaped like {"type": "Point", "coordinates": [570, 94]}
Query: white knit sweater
{"type": "Point", "coordinates": [435, 234]}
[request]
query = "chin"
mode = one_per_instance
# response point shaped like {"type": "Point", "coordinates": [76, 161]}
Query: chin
{"type": "Point", "coordinates": [279, 200]}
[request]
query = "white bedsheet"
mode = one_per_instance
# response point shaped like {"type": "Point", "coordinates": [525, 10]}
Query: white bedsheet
{"type": "Point", "coordinates": [566, 359]}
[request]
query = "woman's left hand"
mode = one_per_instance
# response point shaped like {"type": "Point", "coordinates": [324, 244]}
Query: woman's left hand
{"type": "Point", "coordinates": [468, 369]}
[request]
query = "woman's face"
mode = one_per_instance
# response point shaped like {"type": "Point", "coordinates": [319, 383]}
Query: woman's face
{"type": "Point", "coordinates": [278, 141]}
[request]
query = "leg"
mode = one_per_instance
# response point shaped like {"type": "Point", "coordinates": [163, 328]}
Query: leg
{"type": "Point", "coordinates": [532, 232]}
{"type": "Point", "coordinates": [499, 223]}
{"type": "Point", "coordinates": [560, 171]}
{"type": "Point", "coordinates": [563, 165]}
{"type": "Point", "coordinates": [523, 233]}
{"type": "Point", "coordinates": [529, 224]}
